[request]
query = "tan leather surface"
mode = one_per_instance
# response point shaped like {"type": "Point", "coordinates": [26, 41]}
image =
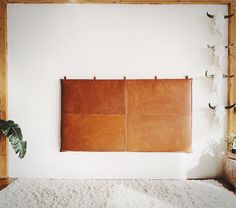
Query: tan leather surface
{"type": "Point", "coordinates": [93, 96]}
{"type": "Point", "coordinates": [126, 115]}
{"type": "Point", "coordinates": [159, 115]}
{"type": "Point", "coordinates": [162, 133]}
{"type": "Point", "coordinates": [164, 96]}
{"type": "Point", "coordinates": [93, 115]}
{"type": "Point", "coordinates": [93, 133]}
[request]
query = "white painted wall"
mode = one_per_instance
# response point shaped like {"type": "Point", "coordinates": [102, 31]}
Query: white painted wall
{"type": "Point", "coordinates": [47, 42]}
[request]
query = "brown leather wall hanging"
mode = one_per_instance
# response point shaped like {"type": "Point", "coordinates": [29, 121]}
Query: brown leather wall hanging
{"type": "Point", "coordinates": [126, 115]}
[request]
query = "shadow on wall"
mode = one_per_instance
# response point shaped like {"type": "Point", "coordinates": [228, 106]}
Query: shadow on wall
{"type": "Point", "coordinates": [211, 156]}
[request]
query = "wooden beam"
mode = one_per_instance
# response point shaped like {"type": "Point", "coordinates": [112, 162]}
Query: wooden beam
{"type": "Point", "coordinates": [122, 1]}
{"type": "Point", "coordinates": [231, 127]}
{"type": "Point", "coordinates": [175, 1]}
{"type": "Point", "coordinates": [232, 69]}
{"type": "Point", "coordinates": [3, 88]}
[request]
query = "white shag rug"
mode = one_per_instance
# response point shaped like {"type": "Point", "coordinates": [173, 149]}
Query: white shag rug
{"type": "Point", "coordinates": [60, 193]}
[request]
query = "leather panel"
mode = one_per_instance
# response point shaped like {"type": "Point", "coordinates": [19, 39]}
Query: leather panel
{"type": "Point", "coordinates": [93, 133]}
{"type": "Point", "coordinates": [93, 96]}
{"type": "Point", "coordinates": [164, 96]}
{"type": "Point", "coordinates": [163, 133]}
{"type": "Point", "coordinates": [126, 115]}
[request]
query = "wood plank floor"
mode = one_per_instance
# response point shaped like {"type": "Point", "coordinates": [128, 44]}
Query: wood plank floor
{"type": "Point", "coordinates": [227, 185]}
{"type": "Point", "coordinates": [4, 182]}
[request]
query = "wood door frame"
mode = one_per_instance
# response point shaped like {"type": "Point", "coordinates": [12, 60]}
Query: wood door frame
{"type": "Point", "coordinates": [231, 126]}
{"type": "Point", "coordinates": [3, 88]}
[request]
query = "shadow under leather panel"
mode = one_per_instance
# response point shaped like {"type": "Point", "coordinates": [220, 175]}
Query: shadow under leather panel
{"type": "Point", "coordinates": [93, 133]}
{"type": "Point", "coordinates": [166, 96]}
{"type": "Point", "coordinates": [93, 96]}
{"type": "Point", "coordinates": [158, 133]}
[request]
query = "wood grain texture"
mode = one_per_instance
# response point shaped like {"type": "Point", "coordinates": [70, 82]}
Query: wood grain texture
{"type": "Point", "coordinates": [4, 182]}
{"type": "Point", "coordinates": [175, 1]}
{"type": "Point", "coordinates": [62, 1]}
{"type": "Point", "coordinates": [231, 127]}
{"type": "Point", "coordinates": [231, 155]}
{"type": "Point", "coordinates": [122, 1]}
{"type": "Point", "coordinates": [3, 88]}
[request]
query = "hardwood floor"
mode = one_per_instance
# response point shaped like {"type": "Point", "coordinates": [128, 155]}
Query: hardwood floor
{"type": "Point", "coordinates": [4, 182]}
{"type": "Point", "coordinates": [227, 185]}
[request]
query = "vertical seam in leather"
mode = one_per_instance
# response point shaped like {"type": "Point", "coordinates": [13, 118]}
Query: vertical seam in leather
{"type": "Point", "coordinates": [125, 116]}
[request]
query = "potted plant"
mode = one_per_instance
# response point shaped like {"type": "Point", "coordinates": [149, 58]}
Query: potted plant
{"type": "Point", "coordinates": [13, 132]}
{"type": "Point", "coordinates": [231, 141]}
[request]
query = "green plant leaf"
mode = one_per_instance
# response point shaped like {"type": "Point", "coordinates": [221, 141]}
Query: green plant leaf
{"type": "Point", "coordinates": [13, 132]}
